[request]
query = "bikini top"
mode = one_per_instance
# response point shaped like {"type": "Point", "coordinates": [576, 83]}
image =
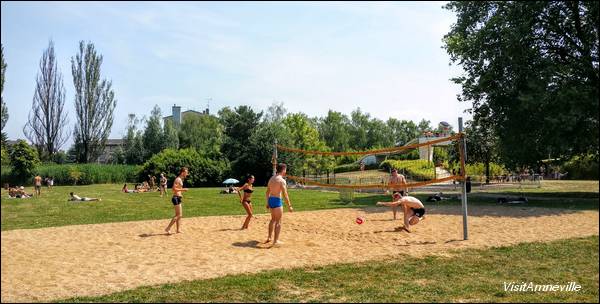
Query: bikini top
{"type": "Point", "coordinates": [248, 190]}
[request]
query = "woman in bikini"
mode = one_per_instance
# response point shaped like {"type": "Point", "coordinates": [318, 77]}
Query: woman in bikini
{"type": "Point", "coordinates": [245, 200]}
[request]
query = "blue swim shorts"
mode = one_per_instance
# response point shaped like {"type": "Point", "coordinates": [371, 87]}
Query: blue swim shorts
{"type": "Point", "coordinates": [275, 202]}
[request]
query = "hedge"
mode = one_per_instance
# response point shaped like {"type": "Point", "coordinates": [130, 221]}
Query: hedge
{"type": "Point", "coordinates": [80, 174]}
{"type": "Point", "coordinates": [414, 169]}
{"type": "Point", "coordinates": [203, 171]}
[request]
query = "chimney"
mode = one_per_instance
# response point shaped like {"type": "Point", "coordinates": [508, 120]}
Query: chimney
{"type": "Point", "coordinates": [176, 115]}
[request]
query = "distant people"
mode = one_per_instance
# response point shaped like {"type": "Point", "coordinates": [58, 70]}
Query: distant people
{"type": "Point", "coordinates": [75, 197]}
{"type": "Point", "coordinates": [163, 184]}
{"type": "Point", "coordinates": [125, 190]}
{"type": "Point", "coordinates": [151, 182]}
{"type": "Point", "coordinates": [362, 165]}
{"type": "Point", "coordinates": [398, 184]}
{"type": "Point", "coordinates": [177, 199]}
{"type": "Point", "coordinates": [246, 199]}
{"type": "Point", "coordinates": [50, 182]}
{"type": "Point", "coordinates": [232, 190]}
{"type": "Point", "coordinates": [37, 183]}
{"type": "Point", "coordinates": [18, 192]}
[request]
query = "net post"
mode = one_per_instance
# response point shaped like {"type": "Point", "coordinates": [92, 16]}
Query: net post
{"type": "Point", "coordinates": [274, 159]}
{"type": "Point", "coordinates": [463, 157]}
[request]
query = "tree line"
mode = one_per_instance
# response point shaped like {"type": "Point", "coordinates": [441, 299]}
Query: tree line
{"type": "Point", "coordinates": [94, 101]}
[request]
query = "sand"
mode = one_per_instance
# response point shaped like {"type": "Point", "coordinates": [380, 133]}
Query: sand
{"type": "Point", "coordinates": [85, 260]}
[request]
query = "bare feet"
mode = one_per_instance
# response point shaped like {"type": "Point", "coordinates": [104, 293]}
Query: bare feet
{"type": "Point", "coordinates": [268, 241]}
{"type": "Point", "coordinates": [179, 231]}
{"type": "Point", "coordinates": [168, 232]}
{"type": "Point", "coordinates": [400, 228]}
{"type": "Point", "coordinates": [277, 244]}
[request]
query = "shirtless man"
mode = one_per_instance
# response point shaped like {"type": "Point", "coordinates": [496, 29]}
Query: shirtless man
{"type": "Point", "coordinates": [414, 210]}
{"type": "Point", "coordinates": [275, 188]}
{"type": "Point", "coordinates": [398, 185]}
{"type": "Point", "coordinates": [37, 182]}
{"type": "Point", "coordinates": [177, 199]}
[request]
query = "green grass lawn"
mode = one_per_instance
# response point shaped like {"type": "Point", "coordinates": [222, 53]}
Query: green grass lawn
{"type": "Point", "coordinates": [470, 276]}
{"type": "Point", "coordinates": [53, 209]}
{"type": "Point", "coordinates": [550, 188]}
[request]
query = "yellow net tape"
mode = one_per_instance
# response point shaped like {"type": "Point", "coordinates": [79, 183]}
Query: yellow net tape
{"type": "Point", "coordinates": [377, 151]}
{"type": "Point", "coordinates": [372, 186]}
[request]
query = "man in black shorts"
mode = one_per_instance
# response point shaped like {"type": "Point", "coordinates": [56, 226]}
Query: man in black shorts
{"type": "Point", "coordinates": [414, 210]}
{"type": "Point", "coordinates": [177, 199]}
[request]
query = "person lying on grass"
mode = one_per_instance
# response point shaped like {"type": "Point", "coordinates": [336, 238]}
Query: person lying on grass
{"type": "Point", "coordinates": [414, 210]}
{"type": "Point", "coordinates": [75, 197]}
{"type": "Point", "coordinates": [124, 189]}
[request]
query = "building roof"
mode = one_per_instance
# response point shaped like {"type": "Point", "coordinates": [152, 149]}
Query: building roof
{"type": "Point", "coordinates": [10, 142]}
{"type": "Point", "coordinates": [196, 112]}
{"type": "Point", "coordinates": [115, 142]}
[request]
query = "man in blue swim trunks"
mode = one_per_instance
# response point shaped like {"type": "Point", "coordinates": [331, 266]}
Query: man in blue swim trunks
{"type": "Point", "coordinates": [275, 188]}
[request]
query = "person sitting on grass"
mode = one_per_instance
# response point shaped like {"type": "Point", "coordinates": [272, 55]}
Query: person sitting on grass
{"type": "Point", "coordinates": [75, 197]}
{"type": "Point", "coordinates": [140, 188]}
{"type": "Point", "coordinates": [18, 193]}
{"type": "Point", "coordinates": [414, 210]}
{"type": "Point", "coordinates": [127, 190]}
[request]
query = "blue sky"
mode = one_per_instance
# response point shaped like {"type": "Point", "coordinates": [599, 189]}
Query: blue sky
{"type": "Point", "coordinates": [384, 57]}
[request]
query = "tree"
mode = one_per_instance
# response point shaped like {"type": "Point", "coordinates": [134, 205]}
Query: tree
{"type": "Point", "coordinates": [424, 126]}
{"type": "Point", "coordinates": [402, 131]}
{"type": "Point", "coordinates": [24, 160]}
{"type": "Point", "coordinates": [304, 135]}
{"type": "Point", "coordinates": [94, 103]}
{"type": "Point", "coordinates": [171, 135]}
{"type": "Point", "coordinates": [133, 143]}
{"type": "Point", "coordinates": [334, 130]}
{"type": "Point", "coordinates": [482, 145]}
{"type": "Point", "coordinates": [238, 127]}
{"type": "Point", "coordinates": [153, 137]}
{"type": "Point", "coordinates": [3, 108]}
{"type": "Point", "coordinates": [531, 72]}
{"type": "Point", "coordinates": [260, 149]}
{"type": "Point", "coordinates": [276, 112]}
{"type": "Point", "coordinates": [203, 133]}
{"type": "Point", "coordinates": [379, 134]}
{"type": "Point", "coordinates": [48, 118]}
{"type": "Point", "coordinates": [359, 126]}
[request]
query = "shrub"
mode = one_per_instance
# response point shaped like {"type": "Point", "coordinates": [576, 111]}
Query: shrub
{"type": "Point", "coordinates": [581, 167]}
{"type": "Point", "coordinates": [24, 159]}
{"type": "Point", "coordinates": [414, 169]}
{"type": "Point", "coordinates": [353, 167]}
{"type": "Point", "coordinates": [80, 174]}
{"type": "Point", "coordinates": [477, 170]}
{"type": "Point", "coordinates": [203, 171]}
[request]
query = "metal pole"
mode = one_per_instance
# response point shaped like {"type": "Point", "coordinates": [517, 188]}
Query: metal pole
{"type": "Point", "coordinates": [463, 159]}
{"type": "Point", "coordinates": [274, 161]}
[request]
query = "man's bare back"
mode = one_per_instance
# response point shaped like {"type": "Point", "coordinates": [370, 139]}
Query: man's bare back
{"type": "Point", "coordinates": [276, 186]}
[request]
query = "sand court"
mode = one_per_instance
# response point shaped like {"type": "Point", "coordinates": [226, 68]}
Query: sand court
{"type": "Point", "coordinates": [83, 260]}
